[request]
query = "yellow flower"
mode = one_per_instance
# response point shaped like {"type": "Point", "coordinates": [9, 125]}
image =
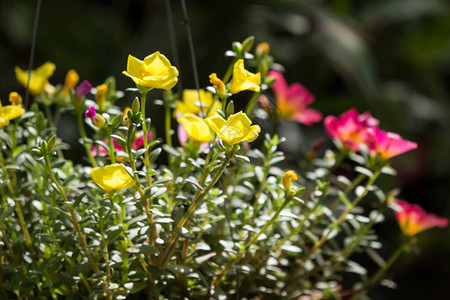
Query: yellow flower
{"type": "Point", "coordinates": [243, 79]}
{"type": "Point", "coordinates": [220, 86]}
{"type": "Point", "coordinates": [196, 128]}
{"type": "Point", "coordinates": [15, 98]}
{"type": "Point", "coordinates": [154, 72]}
{"type": "Point", "coordinates": [39, 77]}
{"type": "Point", "coordinates": [10, 112]}
{"type": "Point", "coordinates": [112, 177]}
{"type": "Point", "coordinates": [70, 82]}
{"type": "Point", "coordinates": [191, 100]}
{"type": "Point", "coordinates": [100, 95]}
{"type": "Point", "coordinates": [287, 177]}
{"type": "Point", "coordinates": [234, 130]}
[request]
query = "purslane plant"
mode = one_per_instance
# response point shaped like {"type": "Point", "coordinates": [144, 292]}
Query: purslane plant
{"type": "Point", "coordinates": [222, 216]}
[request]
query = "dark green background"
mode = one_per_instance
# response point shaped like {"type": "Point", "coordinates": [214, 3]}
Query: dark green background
{"type": "Point", "coordinates": [389, 57]}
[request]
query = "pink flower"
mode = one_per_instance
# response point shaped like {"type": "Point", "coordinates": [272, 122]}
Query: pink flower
{"type": "Point", "coordinates": [91, 113]}
{"type": "Point", "coordinates": [387, 144]}
{"type": "Point", "coordinates": [138, 143]}
{"type": "Point", "coordinates": [412, 219]}
{"type": "Point", "coordinates": [82, 89]}
{"type": "Point", "coordinates": [350, 128]}
{"type": "Point", "coordinates": [292, 101]}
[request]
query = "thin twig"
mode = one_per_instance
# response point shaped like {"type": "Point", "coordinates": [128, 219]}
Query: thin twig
{"type": "Point", "coordinates": [33, 46]}
{"type": "Point", "coordinates": [187, 23]}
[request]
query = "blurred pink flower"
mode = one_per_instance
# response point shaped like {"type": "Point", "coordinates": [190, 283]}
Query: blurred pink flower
{"type": "Point", "coordinates": [82, 89]}
{"type": "Point", "coordinates": [292, 101]}
{"type": "Point", "coordinates": [350, 128]}
{"type": "Point", "coordinates": [412, 219]}
{"type": "Point", "coordinates": [387, 144]}
{"type": "Point", "coordinates": [138, 143]}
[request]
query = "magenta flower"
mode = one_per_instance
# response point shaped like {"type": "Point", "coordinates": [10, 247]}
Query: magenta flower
{"type": "Point", "coordinates": [292, 101]}
{"type": "Point", "coordinates": [387, 144]}
{"type": "Point", "coordinates": [82, 89]}
{"type": "Point", "coordinates": [90, 113]}
{"type": "Point", "coordinates": [97, 120]}
{"type": "Point", "coordinates": [412, 219]}
{"type": "Point", "coordinates": [350, 128]}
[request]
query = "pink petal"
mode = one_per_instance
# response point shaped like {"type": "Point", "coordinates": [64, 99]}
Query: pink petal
{"type": "Point", "coordinates": [279, 87]}
{"type": "Point", "coordinates": [298, 93]}
{"type": "Point", "coordinates": [308, 116]}
{"type": "Point", "coordinates": [182, 134]}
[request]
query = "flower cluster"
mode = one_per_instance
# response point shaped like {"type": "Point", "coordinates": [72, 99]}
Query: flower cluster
{"type": "Point", "coordinates": [220, 215]}
{"type": "Point", "coordinates": [354, 130]}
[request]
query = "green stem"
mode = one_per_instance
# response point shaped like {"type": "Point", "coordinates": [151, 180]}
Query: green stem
{"type": "Point", "coordinates": [17, 205]}
{"type": "Point", "coordinates": [229, 71]}
{"type": "Point", "coordinates": [403, 247]}
{"type": "Point", "coordinates": [112, 155]}
{"type": "Point", "coordinates": [153, 233]}
{"type": "Point", "coordinates": [106, 257]}
{"type": "Point", "coordinates": [83, 135]}
{"type": "Point", "coordinates": [168, 126]}
{"type": "Point", "coordinates": [52, 124]}
{"type": "Point", "coordinates": [378, 275]}
{"type": "Point", "coordinates": [251, 103]}
{"type": "Point", "coordinates": [145, 129]}
{"type": "Point", "coordinates": [302, 222]}
{"type": "Point", "coordinates": [343, 216]}
{"type": "Point", "coordinates": [197, 199]}
{"type": "Point", "coordinates": [81, 237]}
{"type": "Point", "coordinates": [230, 263]}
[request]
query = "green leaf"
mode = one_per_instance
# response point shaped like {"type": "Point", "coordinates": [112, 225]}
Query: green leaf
{"type": "Point", "coordinates": [180, 269]}
{"type": "Point", "coordinates": [185, 233]}
{"type": "Point", "coordinates": [139, 153]}
{"type": "Point", "coordinates": [113, 233]}
{"type": "Point", "coordinates": [344, 199]}
{"type": "Point", "coordinates": [118, 137]}
{"type": "Point", "coordinates": [194, 182]}
{"type": "Point", "coordinates": [68, 179]}
{"type": "Point", "coordinates": [142, 249]}
{"type": "Point", "coordinates": [135, 287]}
{"type": "Point", "coordinates": [154, 155]}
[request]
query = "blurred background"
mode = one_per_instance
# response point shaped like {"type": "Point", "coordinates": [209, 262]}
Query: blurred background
{"type": "Point", "coordinates": [389, 57]}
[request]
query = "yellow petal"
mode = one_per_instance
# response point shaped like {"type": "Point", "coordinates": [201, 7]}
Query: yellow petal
{"type": "Point", "coordinates": [252, 134]}
{"type": "Point", "coordinates": [215, 123]}
{"type": "Point", "coordinates": [10, 112]}
{"type": "Point", "coordinates": [134, 66]}
{"type": "Point", "coordinates": [196, 128]}
{"type": "Point", "coordinates": [240, 121]}
{"type": "Point", "coordinates": [112, 177]}
{"type": "Point", "coordinates": [38, 79]}
{"type": "Point", "coordinates": [243, 79]}
{"type": "Point", "coordinates": [3, 122]}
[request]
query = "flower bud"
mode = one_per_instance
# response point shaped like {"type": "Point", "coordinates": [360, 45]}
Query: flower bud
{"type": "Point", "coordinates": [230, 108]}
{"type": "Point", "coordinates": [262, 48]}
{"type": "Point", "coordinates": [247, 44]}
{"type": "Point", "coordinates": [100, 95]}
{"type": "Point", "coordinates": [136, 106]}
{"type": "Point", "coordinates": [220, 86]}
{"type": "Point", "coordinates": [70, 81]}
{"type": "Point", "coordinates": [287, 177]}
{"type": "Point", "coordinates": [15, 98]}
{"type": "Point", "coordinates": [97, 120]}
